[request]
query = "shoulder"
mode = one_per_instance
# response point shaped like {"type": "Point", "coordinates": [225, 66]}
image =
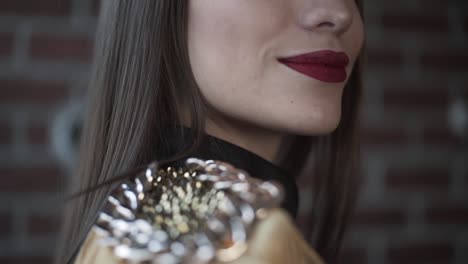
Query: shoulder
{"type": "Point", "coordinates": [92, 251]}
{"type": "Point", "coordinates": [272, 239]}
{"type": "Point", "coordinates": [277, 240]}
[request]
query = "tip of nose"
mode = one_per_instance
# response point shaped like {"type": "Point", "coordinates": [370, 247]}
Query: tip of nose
{"type": "Point", "coordinates": [335, 20]}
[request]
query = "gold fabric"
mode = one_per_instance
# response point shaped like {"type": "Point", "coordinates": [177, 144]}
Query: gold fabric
{"type": "Point", "coordinates": [275, 241]}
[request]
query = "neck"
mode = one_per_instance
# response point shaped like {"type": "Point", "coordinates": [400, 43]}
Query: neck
{"type": "Point", "coordinates": [266, 143]}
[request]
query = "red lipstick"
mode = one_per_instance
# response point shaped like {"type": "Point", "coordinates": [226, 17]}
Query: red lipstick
{"type": "Point", "coordinates": [323, 65]}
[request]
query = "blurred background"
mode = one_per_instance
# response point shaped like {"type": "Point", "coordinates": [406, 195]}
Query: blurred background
{"type": "Point", "coordinates": [413, 208]}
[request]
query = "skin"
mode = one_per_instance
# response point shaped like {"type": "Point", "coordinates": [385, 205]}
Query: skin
{"type": "Point", "coordinates": [259, 103]}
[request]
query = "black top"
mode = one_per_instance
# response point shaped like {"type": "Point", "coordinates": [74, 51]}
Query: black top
{"type": "Point", "coordinates": [218, 149]}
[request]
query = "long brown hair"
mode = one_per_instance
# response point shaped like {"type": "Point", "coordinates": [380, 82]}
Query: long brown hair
{"type": "Point", "coordinates": [141, 75]}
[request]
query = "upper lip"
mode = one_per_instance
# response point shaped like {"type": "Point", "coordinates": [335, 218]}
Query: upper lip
{"type": "Point", "coordinates": [326, 57]}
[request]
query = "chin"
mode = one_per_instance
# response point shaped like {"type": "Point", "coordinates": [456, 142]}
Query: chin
{"type": "Point", "coordinates": [315, 126]}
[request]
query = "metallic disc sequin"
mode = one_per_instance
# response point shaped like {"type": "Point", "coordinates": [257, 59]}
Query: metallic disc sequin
{"type": "Point", "coordinates": [196, 213]}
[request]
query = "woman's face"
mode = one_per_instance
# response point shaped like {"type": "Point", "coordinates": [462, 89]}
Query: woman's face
{"type": "Point", "coordinates": [234, 47]}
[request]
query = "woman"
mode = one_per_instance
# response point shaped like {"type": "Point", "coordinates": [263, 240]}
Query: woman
{"type": "Point", "coordinates": [265, 85]}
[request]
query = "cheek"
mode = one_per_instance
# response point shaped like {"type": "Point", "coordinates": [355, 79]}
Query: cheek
{"type": "Point", "coordinates": [228, 42]}
{"type": "Point", "coordinates": [232, 45]}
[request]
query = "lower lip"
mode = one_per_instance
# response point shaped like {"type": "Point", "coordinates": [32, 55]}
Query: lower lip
{"type": "Point", "coordinates": [319, 71]}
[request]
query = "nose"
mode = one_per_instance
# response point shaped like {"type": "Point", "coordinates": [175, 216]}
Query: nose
{"type": "Point", "coordinates": [334, 16]}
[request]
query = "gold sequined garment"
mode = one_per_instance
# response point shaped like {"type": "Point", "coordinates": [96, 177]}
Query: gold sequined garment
{"type": "Point", "coordinates": [202, 211]}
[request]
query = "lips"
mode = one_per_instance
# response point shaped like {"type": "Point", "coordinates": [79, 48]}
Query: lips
{"type": "Point", "coordinates": [324, 65]}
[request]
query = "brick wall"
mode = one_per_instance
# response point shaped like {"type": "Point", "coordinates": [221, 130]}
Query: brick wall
{"type": "Point", "coordinates": [45, 49]}
{"type": "Point", "coordinates": [414, 205]}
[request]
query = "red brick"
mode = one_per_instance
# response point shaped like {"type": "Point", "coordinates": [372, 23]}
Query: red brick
{"type": "Point", "coordinates": [445, 61]}
{"type": "Point", "coordinates": [423, 177]}
{"type": "Point", "coordinates": [6, 134]}
{"type": "Point", "coordinates": [416, 98]}
{"type": "Point", "coordinates": [384, 58]}
{"type": "Point", "coordinates": [40, 224]}
{"type": "Point", "coordinates": [375, 137]}
{"type": "Point", "coordinates": [61, 47]}
{"type": "Point", "coordinates": [6, 44]}
{"type": "Point", "coordinates": [379, 217]}
{"type": "Point", "coordinates": [449, 214]}
{"type": "Point", "coordinates": [25, 260]}
{"type": "Point", "coordinates": [415, 23]}
{"type": "Point", "coordinates": [353, 255]}
{"type": "Point", "coordinates": [5, 224]}
{"type": "Point", "coordinates": [35, 179]}
{"type": "Point", "coordinates": [421, 252]}
{"type": "Point", "coordinates": [441, 136]}
{"type": "Point", "coordinates": [32, 91]}
{"type": "Point", "coordinates": [37, 134]}
{"type": "Point", "coordinates": [34, 7]}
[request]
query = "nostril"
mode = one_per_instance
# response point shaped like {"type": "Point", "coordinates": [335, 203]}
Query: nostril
{"type": "Point", "coordinates": [326, 24]}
